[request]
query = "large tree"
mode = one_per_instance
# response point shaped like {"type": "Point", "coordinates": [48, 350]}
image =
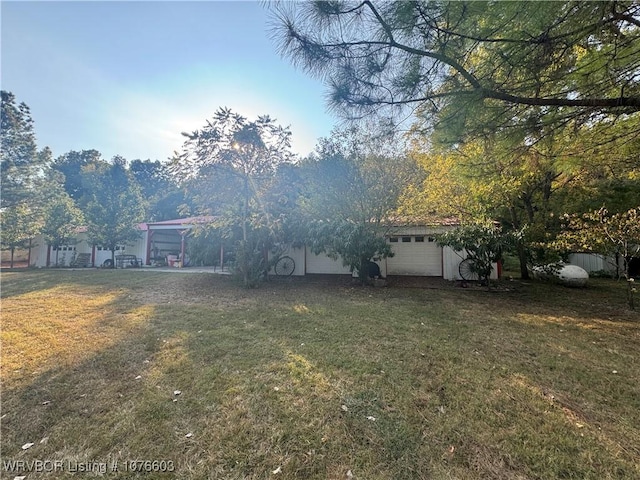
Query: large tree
{"type": "Point", "coordinates": [61, 220]}
{"type": "Point", "coordinates": [165, 198]}
{"type": "Point", "coordinates": [528, 181]}
{"type": "Point", "coordinates": [559, 60]}
{"type": "Point", "coordinates": [71, 165]}
{"type": "Point", "coordinates": [352, 184]}
{"type": "Point", "coordinates": [116, 205]}
{"type": "Point", "coordinates": [600, 231]}
{"type": "Point", "coordinates": [20, 224]}
{"type": "Point", "coordinates": [228, 166]}
{"type": "Point", "coordinates": [21, 164]}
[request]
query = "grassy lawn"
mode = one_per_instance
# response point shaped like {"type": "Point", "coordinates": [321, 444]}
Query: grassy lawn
{"type": "Point", "coordinates": [308, 379]}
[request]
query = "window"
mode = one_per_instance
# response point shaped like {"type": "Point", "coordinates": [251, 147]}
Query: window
{"type": "Point", "coordinates": [406, 239]}
{"type": "Point", "coordinates": [431, 239]}
{"type": "Point", "coordinates": [64, 248]}
{"type": "Point", "coordinates": [393, 240]}
{"type": "Point", "coordinates": [419, 239]}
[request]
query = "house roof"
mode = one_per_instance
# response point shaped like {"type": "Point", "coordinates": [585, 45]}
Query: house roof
{"type": "Point", "coordinates": [185, 221]}
{"type": "Point", "coordinates": [422, 221]}
{"type": "Point", "coordinates": [178, 222]}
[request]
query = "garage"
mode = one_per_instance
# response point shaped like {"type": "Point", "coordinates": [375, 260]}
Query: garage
{"type": "Point", "coordinates": [415, 255]}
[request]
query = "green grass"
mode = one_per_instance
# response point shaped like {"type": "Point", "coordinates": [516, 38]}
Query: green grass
{"type": "Point", "coordinates": [516, 383]}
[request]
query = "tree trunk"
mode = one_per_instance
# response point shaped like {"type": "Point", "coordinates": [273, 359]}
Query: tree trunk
{"type": "Point", "coordinates": [520, 247]}
{"type": "Point", "coordinates": [113, 258]}
{"type": "Point", "coordinates": [11, 262]}
{"type": "Point", "coordinates": [363, 272]}
{"type": "Point", "coordinates": [522, 257]}
{"type": "Point", "coordinates": [245, 257]}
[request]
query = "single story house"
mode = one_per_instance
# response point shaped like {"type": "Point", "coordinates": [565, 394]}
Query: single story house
{"type": "Point", "coordinates": [416, 252]}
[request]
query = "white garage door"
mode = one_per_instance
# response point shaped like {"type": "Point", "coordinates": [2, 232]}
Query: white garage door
{"type": "Point", "coordinates": [415, 255]}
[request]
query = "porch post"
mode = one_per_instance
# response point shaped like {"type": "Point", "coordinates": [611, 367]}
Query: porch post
{"type": "Point", "coordinates": [149, 237]}
{"type": "Point", "coordinates": [48, 255]}
{"type": "Point", "coordinates": [221, 256]}
{"type": "Point", "coordinates": [182, 234]}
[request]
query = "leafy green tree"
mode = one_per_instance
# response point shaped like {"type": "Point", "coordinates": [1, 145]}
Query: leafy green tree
{"type": "Point", "coordinates": [351, 190]}
{"type": "Point", "coordinates": [165, 198]}
{"type": "Point", "coordinates": [71, 165]}
{"type": "Point", "coordinates": [21, 165]}
{"type": "Point", "coordinates": [483, 244]}
{"type": "Point", "coordinates": [19, 225]}
{"type": "Point", "coordinates": [602, 232]}
{"type": "Point", "coordinates": [470, 65]}
{"type": "Point", "coordinates": [116, 205]}
{"type": "Point", "coordinates": [228, 166]}
{"type": "Point", "coordinates": [62, 218]}
{"type": "Point", "coordinates": [525, 184]}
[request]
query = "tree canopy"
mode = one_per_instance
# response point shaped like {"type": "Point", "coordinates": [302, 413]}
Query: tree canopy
{"type": "Point", "coordinates": [351, 188]}
{"type": "Point", "coordinates": [229, 166]}
{"type": "Point", "coordinates": [116, 205]}
{"type": "Point", "coordinates": [21, 165]}
{"type": "Point", "coordinates": [579, 55]}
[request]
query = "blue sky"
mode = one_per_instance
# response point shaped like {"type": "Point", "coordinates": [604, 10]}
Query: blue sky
{"type": "Point", "coordinates": [127, 78]}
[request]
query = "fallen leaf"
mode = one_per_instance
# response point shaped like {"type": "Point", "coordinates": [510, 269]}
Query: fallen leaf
{"type": "Point", "coordinates": [177, 392]}
{"type": "Point", "coordinates": [188, 435]}
{"type": "Point", "coordinates": [373, 419]}
{"type": "Point", "coordinates": [277, 470]}
{"type": "Point", "coordinates": [46, 402]}
{"type": "Point", "coordinates": [138, 377]}
{"type": "Point", "coordinates": [344, 408]}
{"type": "Point", "coordinates": [22, 477]}
{"type": "Point", "coordinates": [349, 474]}
{"type": "Point", "coordinates": [27, 446]}
{"type": "Point", "coordinates": [615, 372]}
{"type": "Point", "coordinates": [44, 440]}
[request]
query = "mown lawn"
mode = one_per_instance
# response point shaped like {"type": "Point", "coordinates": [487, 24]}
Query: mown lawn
{"type": "Point", "coordinates": [311, 379]}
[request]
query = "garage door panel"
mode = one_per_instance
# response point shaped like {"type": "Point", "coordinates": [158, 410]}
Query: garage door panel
{"type": "Point", "coordinates": [415, 258]}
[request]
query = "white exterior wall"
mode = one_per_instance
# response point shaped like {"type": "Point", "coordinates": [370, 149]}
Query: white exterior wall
{"type": "Point", "coordinates": [82, 245]}
{"type": "Point", "coordinates": [297, 254]}
{"type": "Point", "coordinates": [38, 252]}
{"type": "Point", "coordinates": [452, 260]}
{"type": "Point", "coordinates": [323, 264]}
